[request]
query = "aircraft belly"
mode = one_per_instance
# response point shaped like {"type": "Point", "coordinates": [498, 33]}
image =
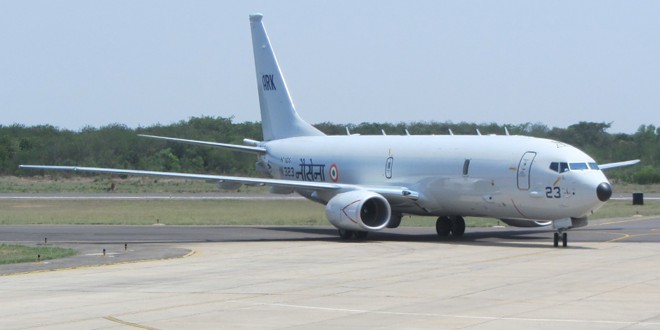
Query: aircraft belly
{"type": "Point", "coordinates": [466, 197]}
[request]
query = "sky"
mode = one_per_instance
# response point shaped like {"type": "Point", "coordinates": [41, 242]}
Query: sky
{"type": "Point", "coordinates": [73, 64]}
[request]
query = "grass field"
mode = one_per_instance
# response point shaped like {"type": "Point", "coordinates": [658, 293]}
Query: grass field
{"type": "Point", "coordinates": [100, 184]}
{"type": "Point", "coordinates": [220, 212]}
{"type": "Point", "coordinates": [202, 212]}
{"type": "Point", "coordinates": [12, 254]}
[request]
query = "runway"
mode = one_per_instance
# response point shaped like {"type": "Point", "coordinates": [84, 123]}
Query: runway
{"type": "Point", "coordinates": [304, 277]}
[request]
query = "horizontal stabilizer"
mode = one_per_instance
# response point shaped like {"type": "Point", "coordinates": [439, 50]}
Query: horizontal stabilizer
{"type": "Point", "coordinates": [619, 164]}
{"type": "Point", "coordinates": [235, 147]}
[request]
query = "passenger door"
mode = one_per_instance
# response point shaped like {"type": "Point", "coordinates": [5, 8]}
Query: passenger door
{"type": "Point", "coordinates": [525, 169]}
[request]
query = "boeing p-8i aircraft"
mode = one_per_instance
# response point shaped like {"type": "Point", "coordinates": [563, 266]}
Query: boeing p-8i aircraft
{"type": "Point", "coordinates": [368, 183]}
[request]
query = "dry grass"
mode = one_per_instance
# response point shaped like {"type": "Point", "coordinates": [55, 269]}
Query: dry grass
{"type": "Point", "coordinates": [220, 212]}
{"type": "Point", "coordinates": [174, 212]}
{"type": "Point", "coordinates": [102, 183]}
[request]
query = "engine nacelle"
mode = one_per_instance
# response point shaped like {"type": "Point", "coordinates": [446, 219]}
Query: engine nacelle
{"type": "Point", "coordinates": [526, 223]}
{"type": "Point", "coordinates": [359, 210]}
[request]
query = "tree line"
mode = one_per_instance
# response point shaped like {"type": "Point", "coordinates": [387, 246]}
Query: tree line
{"type": "Point", "coordinates": [119, 146]}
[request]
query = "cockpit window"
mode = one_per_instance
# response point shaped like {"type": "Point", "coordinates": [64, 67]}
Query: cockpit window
{"type": "Point", "coordinates": [579, 166]}
{"type": "Point", "coordinates": [559, 167]}
{"type": "Point", "coordinates": [594, 166]}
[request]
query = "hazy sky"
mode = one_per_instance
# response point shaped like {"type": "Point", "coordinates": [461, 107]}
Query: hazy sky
{"type": "Point", "coordinates": [77, 63]}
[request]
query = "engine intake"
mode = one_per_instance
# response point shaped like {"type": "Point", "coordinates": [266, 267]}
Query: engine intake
{"type": "Point", "coordinates": [359, 210]}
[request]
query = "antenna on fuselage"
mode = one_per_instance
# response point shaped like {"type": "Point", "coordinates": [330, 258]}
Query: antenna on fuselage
{"type": "Point", "coordinates": [450, 131]}
{"type": "Point", "coordinates": [383, 131]}
{"type": "Point", "coordinates": [349, 132]}
{"type": "Point", "coordinates": [478, 133]}
{"type": "Point", "coordinates": [506, 131]}
{"type": "Point", "coordinates": [407, 133]}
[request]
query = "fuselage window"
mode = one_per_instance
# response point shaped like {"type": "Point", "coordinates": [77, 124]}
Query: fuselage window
{"type": "Point", "coordinates": [579, 166]}
{"type": "Point", "coordinates": [563, 167]}
{"type": "Point", "coordinates": [554, 166]}
{"type": "Point", "coordinates": [594, 166]}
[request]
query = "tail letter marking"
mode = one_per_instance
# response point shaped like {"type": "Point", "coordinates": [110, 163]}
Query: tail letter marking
{"type": "Point", "coordinates": [268, 82]}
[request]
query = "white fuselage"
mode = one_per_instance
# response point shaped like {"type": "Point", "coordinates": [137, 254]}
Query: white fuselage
{"type": "Point", "coordinates": [507, 176]}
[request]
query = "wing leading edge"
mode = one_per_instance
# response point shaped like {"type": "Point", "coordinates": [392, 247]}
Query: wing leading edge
{"type": "Point", "coordinates": [387, 192]}
{"type": "Point", "coordinates": [618, 164]}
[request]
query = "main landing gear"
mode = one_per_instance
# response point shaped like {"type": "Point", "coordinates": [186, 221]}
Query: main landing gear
{"type": "Point", "coordinates": [564, 239]}
{"type": "Point", "coordinates": [446, 225]}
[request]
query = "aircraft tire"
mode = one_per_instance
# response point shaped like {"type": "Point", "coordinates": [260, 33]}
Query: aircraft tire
{"type": "Point", "coordinates": [346, 235]}
{"type": "Point", "coordinates": [457, 226]}
{"type": "Point", "coordinates": [564, 239]}
{"type": "Point", "coordinates": [556, 239]}
{"type": "Point", "coordinates": [443, 226]}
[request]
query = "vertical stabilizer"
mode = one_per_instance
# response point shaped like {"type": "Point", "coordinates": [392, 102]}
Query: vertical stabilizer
{"type": "Point", "coordinates": [279, 118]}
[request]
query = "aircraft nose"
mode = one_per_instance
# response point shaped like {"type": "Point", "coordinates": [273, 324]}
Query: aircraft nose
{"type": "Point", "coordinates": [604, 191]}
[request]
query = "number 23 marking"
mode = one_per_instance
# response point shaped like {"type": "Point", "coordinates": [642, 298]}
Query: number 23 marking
{"type": "Point", "coordinates": [549, 192]}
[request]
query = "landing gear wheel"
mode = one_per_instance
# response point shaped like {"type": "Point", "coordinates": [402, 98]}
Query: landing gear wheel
{"type": "Point", "coordinates": [457, 226]}
{"type": "Point", "coordinates": [564, 239]}
{"type": "Point", "coordinates": [346, 235]}
{"type": "Point", "coordinates": [443, 226]}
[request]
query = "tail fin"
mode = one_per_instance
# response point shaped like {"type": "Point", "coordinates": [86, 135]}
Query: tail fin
{"type": "Point", "coordinates": [279, 118]}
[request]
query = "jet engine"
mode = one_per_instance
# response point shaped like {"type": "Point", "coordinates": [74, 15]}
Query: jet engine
{"type": "Point", "coordinates": [526, 223]}
{"type": "Point", "coordinates": [359, 210]}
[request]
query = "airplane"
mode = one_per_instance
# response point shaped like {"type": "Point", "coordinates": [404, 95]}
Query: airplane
{"type": "Point", "coordinates": [368, 183]}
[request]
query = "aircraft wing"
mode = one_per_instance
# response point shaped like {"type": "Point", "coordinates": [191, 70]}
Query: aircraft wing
{"type": "Point", "coordinates": [387, 192]}
{"type": "Point", "coordinates": [235, 147]}
{"type": "Point", "coordinates": [618, 164]}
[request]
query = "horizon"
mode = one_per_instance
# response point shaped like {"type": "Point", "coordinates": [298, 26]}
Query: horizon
{"type": "Point", "coordinates": [347, 125]}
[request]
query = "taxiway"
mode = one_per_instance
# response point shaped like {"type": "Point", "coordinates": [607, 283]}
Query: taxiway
{"type": "Point", "coordinates": [304, 277]}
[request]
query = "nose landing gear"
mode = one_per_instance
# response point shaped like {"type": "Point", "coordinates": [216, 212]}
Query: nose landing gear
{"type": "Point", "coordinates": [564, 239]}
{"type": "Point", "coordinates": [561, 225]}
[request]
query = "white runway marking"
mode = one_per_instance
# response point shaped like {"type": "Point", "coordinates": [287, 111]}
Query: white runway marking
{"type": "Point", "coordinates": [472, 317]}
{"type": "Point", "coordinates": [630, 198]}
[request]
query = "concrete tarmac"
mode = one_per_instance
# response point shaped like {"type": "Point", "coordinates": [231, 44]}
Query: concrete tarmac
{"type": "Point", "coordinates": [304, 277]}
